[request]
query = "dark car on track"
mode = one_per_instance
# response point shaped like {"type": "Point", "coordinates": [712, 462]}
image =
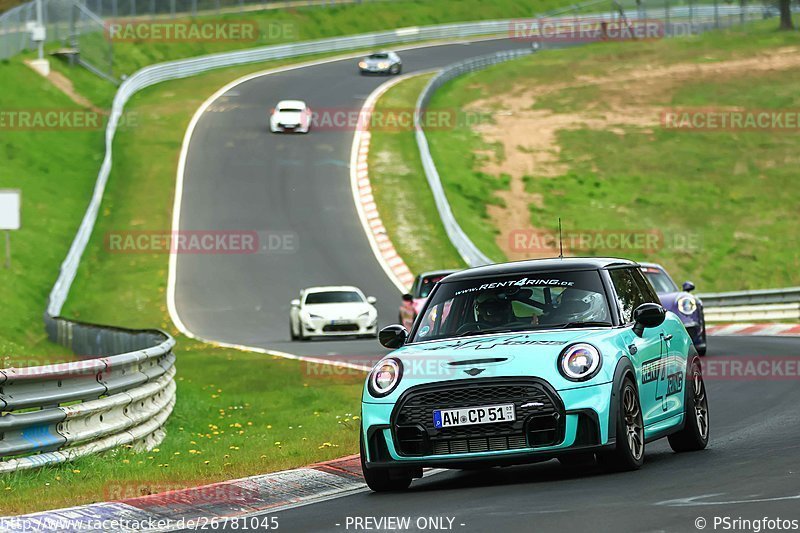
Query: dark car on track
{"type": "Point", "coordinates": [679, 300]}
{"type": "Point", "coordinates": [416, 298]}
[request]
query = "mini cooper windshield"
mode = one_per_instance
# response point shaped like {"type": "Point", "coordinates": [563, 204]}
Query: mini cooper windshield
{"type": "Point", "coordinates": [518, 303]}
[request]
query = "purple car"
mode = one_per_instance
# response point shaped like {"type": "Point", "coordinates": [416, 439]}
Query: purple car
{"type": "Point", "coordinates": [689, 308]}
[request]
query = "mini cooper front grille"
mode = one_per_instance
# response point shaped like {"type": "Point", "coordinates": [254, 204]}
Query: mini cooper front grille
{"type": "Point", "coordinates": [539, 417]}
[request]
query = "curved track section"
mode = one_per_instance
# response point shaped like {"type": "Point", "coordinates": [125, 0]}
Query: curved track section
{"type": "Point", "coordinates": [750, 470]}
{"type": "Point", "coordinates": [239, 177]}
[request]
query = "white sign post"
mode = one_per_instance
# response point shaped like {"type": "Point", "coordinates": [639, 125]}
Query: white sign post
{"type": "Point", "coordinates": [10, 207]}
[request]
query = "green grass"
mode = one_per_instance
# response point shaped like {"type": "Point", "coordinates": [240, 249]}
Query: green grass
{"type": "Point", "coordinates": [280, 26]}
{"type": "Point", "coordinates": [56, 172]}
{"type": "Point", "coordinates": [401, 190]}
{"type": "Point", "coordinates": [305, 411]}
{"type": "Point", "coordinates": [734, 193]}
{"type": "Point", "coordinates": [269, 414]}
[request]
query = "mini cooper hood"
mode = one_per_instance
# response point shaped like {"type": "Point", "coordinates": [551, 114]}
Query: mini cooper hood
{"type": "Point", "coordinates": [506, 355]}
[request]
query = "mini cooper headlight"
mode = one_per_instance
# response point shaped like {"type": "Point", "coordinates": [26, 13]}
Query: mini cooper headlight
{"type": "Point", "coordinates": [579, 362]}
{"type": "Point", "coordinates": [687, 305]}
{"type": "Point", "coordinates": [384, 377]}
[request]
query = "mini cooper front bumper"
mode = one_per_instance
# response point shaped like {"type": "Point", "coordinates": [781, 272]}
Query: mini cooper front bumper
{"type": "Point", "coordinates": [548, 423]}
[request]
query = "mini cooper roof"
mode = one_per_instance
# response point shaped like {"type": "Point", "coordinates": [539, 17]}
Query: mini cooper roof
{"type": "Point", "coordinates": [531, 266]}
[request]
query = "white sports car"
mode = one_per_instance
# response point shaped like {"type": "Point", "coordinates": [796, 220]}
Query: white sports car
{"type": "Point", "coordinates": [333, 311]}
{"type": "Point", "coordinates": [290, 116]}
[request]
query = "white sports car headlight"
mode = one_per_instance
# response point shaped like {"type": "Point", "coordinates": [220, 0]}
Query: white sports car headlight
{"type": "Point", "coordinates": [579, 362]}
{"type": "Point", "coordinates": [687, 304]}
{"type": "Point", "coordinates": [385, 377]}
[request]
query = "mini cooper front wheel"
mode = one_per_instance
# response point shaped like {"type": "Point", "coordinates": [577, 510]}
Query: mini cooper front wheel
{"type": "Point", "coordinates": [384, 479]}
{"type": "Point", "coordinates": [628, 452]}
{"type": "Point", "coordinates": [694, 435]}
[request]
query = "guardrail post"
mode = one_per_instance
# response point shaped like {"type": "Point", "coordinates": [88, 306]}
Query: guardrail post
{"type": "Point", "coordinates": [716, 14]}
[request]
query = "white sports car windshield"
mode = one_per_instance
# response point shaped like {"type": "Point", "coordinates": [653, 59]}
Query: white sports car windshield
{"type": "Point", "coordinates": [518, 303]}
{"type": "Point", "coordinates": [333, 297]}
{"type": "Point", "coordinates": [290, 110]}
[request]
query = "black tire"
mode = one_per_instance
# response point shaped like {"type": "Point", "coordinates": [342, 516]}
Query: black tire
{"type": "Point", "coordinates": [628, 452]}
{"type": "Point", "coordinates": [696, 426]}
{"type": "Point", "coordinates": [701, 350]}
{"type": "Point", "coordinates": [291, 331]}
{"type": "Point", "coordinates": [384, 479]}
{"type": "Point", "coordinates": [395, 69]}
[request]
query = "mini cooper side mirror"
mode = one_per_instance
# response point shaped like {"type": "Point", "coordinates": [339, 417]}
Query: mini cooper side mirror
{"type": "Point", "coordinates": [648, 315]}
{"type": "Point", "coordinates": [371, 300]}
{"type": "Point", "coordinates": [688, 286]}
{"type": "Point", "coordinates": [393, 336]}
{"type": "Point", "coordinates": [295, 303]}
{"type": "Point", "coordinates": [408, 298]}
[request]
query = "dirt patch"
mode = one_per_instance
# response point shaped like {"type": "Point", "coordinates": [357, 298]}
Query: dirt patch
{"type": "Point", "coordinates": [529, 137]}
{"type": "Point", "coordinates": [64, 84]}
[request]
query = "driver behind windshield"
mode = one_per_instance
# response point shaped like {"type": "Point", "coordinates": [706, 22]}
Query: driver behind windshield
{"type": "Point", "coordinates": [493, 310]}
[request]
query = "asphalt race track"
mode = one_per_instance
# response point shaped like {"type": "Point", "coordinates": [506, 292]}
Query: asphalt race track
{"type": "Point", "coordinates": [751, 470]}
{"type": "Point", "coordinates": [239, 177]}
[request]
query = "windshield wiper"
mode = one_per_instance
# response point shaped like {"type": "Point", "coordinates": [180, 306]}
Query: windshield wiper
{"type": "Point", "coordinates": [588, 324]}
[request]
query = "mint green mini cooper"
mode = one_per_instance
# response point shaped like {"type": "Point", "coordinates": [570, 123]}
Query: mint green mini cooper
{"type": "Point", "coordinates": [572, 358]}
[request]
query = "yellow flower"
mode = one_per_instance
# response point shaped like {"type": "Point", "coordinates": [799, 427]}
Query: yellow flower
{"type": "Point", "coordinates": [206, 462]}
{"type": "Point", "coordinates": [269, 426]}
{"type": "Point", "coordinates": [126, 461]}
{"type": "Point", "coordinates": [76, 471]}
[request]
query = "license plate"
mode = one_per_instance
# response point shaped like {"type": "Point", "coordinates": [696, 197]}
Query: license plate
{"type": "Point", "coordinates": [467, 416]}
{"type": "Point", "coordinates": [340, 322]}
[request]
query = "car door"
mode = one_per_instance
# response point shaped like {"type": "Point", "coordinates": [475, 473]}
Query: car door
{"type": "Point", "coordinates": [671, 380]}
{"type": "Point", "coordinates": [646, 352]}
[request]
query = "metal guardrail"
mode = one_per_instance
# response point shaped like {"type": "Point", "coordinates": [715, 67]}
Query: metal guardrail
{"type": "Point", "coordinates": [754, 297]}
{"type": "Point", "coordinates": [700, 17]}
{"type": "Point", "coordinates": [470, 253]}
{"type": "Point", "coordinates": [60, 412]}
{"type": "Point", "coordinates": [750, 313]}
